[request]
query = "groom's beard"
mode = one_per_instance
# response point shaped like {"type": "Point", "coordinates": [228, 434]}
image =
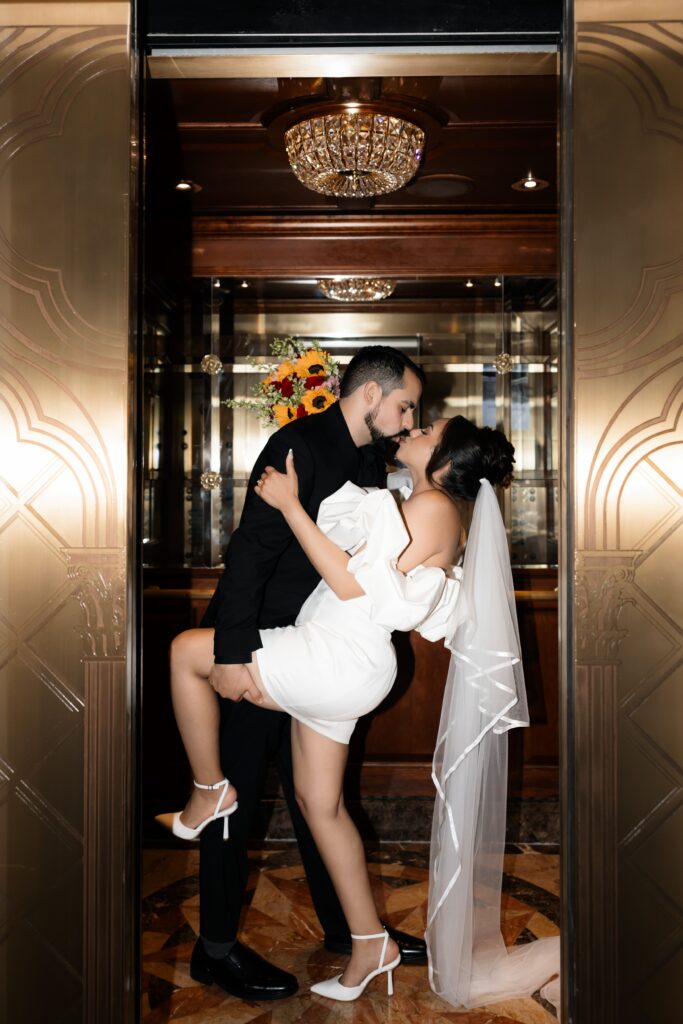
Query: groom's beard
{"type": "Point", "coordinates": [376, 434]}
{"type": "Point", "coordinates": [387, 444]}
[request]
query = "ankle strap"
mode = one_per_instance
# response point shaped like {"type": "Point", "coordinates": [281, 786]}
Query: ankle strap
{"type": "Point", "coordinates": [215, 785]}
{"type": "Point", "coordinates": [379, 935]}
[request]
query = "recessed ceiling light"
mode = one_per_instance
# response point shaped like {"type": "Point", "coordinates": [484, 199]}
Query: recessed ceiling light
{"type": "Point", "coordinates": [244, 285]}
{"type": "Point", "coordinates": [217, 282]}
{"type": "Point", "coordinates": [497, 283]}
{"type": "Point", "coordinates": [530, 183]}
{"type": "Point", "coordinates": [469, 283]}
{"type": "Point", "coordinates": [185, 185]}
{"type": "Point", "coordinates": [440, 186]}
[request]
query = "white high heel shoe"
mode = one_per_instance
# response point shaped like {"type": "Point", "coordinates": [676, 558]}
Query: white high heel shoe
{"type": "Point", "coordinates": [333, 989]}
{"type": "Point", "coordinates": [175, 825]}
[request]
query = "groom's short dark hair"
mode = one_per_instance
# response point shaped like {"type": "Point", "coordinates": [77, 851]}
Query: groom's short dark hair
{"type": "Point", "coordinates": [382, 363]}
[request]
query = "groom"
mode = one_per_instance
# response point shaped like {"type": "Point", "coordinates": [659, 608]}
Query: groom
{"type": "Point", "coordinates": [266, 580]}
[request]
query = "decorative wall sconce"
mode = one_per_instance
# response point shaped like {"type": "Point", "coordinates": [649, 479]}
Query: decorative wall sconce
{"type": "Point", "coordinates": [211, 364]}
{"type": "Point", "coordinates": [210, 480]}
{"type": "Point", "coordinates": [503, 362]}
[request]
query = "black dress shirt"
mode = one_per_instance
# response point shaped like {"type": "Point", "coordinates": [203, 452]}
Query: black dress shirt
{"type": "Point", "coordinates": [267, 576]}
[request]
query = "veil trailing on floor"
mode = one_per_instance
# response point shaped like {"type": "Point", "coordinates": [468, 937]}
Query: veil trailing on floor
{"type": "Point", "coordinates": [485, 697]}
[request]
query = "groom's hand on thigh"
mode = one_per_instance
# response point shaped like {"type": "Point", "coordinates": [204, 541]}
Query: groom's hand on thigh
{"type": "Point", "coordinates": [233, 682]}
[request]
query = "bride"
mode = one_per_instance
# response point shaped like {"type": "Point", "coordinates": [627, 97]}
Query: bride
{"type": "Point", "coordinates": [382, 568]}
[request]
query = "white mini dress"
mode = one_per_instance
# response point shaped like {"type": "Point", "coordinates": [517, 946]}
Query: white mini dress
{"type": "Point", "coordinates": [337, 661]}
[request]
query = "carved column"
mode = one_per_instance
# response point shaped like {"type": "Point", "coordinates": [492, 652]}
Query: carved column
{"type": "Point", "coordinates": [100, 590]}
{"type": "Point", "coordinates": [602, 584]}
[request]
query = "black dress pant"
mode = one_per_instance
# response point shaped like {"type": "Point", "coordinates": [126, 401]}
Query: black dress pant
{"type": "Point", "coordinates": [249, 737]}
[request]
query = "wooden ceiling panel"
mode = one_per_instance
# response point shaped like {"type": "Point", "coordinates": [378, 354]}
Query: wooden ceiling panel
{"type": "Point", "coordinates": [216, 100]}
{"type": "Point", "coordinates": [483, 133]}
{"type": "Point", "coordinates": [240, 171]}
{"type": "Point", "coordinates": [519, 99]}
{"type": "Point", "coordinates": [492, 131]}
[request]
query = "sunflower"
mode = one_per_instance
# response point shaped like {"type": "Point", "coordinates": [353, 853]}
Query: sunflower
{"type": "Point", "coordinates": [312, 363]}
{"type": "Point", "coordinates": [283, 414]}
{"type": "Point", "coordinates": [285, 369]}
{"type": "Point", "coordinates": [317, 399]}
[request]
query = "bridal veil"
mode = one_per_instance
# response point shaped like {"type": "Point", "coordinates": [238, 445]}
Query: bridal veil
{"type": "Point", "coordinates": [485, 697]}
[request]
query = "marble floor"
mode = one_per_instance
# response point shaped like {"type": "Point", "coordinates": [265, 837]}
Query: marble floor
{"type": "Point", "coordinates": [281, 925]}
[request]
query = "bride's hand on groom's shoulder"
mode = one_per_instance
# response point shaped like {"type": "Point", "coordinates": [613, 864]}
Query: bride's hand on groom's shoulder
{"type": "Point", "coordinates": [279, 490]}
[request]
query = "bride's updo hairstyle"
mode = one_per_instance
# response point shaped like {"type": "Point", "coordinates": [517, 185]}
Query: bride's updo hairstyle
{"type": "Point", "coordinates": [469, 453]}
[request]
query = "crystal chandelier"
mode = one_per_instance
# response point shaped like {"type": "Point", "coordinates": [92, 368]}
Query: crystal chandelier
{"type": "Point", "coordinates": [354, 153]}
{"type": "Point", "coordinates": [356, 289]}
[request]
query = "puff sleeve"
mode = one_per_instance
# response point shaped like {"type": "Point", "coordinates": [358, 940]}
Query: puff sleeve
{"type": "Point", "coordinates": [368, 524]}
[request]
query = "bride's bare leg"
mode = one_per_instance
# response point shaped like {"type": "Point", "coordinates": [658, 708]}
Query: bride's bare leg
{"type": "Point", "coordinates": [266, 701]}
{"type": "Point", "coordinates": [319, 765]}
{"type": "Point", "coordinates": [196, 710]}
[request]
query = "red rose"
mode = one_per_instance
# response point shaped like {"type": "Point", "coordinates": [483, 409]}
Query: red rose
{"type": "Point", "coordinates": [315, 382]}
{"type": "Point", "coordinates": [301, 412]}
{"type": "Point", "coordinates": [286, 388]}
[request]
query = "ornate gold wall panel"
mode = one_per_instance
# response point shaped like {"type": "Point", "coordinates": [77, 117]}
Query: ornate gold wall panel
{"type": "Point", "coordinates": [627, 496]}
{"type": "Point", "coordinates": [65, 117]}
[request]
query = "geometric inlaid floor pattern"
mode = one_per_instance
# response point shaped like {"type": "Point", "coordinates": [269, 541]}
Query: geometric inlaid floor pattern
{"type": "Point", "coordinates": [280, 924]}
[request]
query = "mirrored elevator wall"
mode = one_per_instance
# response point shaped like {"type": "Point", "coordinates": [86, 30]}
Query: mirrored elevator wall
{"type": "Point", "coordinates": [489, 347]}
{"type": "Point", "coordinates": [65, 842]}
{"type": "Point", "coordinates": [627, 510]}
{"type": "Point", "coordinates": [492, 357]}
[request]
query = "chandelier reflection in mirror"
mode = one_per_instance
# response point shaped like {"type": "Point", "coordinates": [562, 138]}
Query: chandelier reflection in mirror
{"type": "Point", "coordinates": [356, 289]}
{"type": "Point", "coordinates": [355, 153]}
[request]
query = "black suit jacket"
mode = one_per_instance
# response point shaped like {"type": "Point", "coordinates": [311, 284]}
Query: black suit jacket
{"type": "Point", "coordinates": [267, 576]}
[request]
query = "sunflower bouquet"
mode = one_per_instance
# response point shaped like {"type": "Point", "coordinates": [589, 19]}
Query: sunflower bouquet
{"type": "Point", "coordinates": [304, 381]}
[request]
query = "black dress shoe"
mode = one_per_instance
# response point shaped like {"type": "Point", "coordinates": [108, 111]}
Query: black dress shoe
{"type": "Point", "coordinates": [242, 973]}
{"type": "Point", "coordinates": [412, 949]}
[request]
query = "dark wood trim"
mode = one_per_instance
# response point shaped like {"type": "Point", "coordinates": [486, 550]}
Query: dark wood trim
{"type": "Point", "coordinates": [442, 245]}
{"type": "Point", "coordinates": [392, 778]}
{"type": "Point", "coordinates": [333, 226]}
